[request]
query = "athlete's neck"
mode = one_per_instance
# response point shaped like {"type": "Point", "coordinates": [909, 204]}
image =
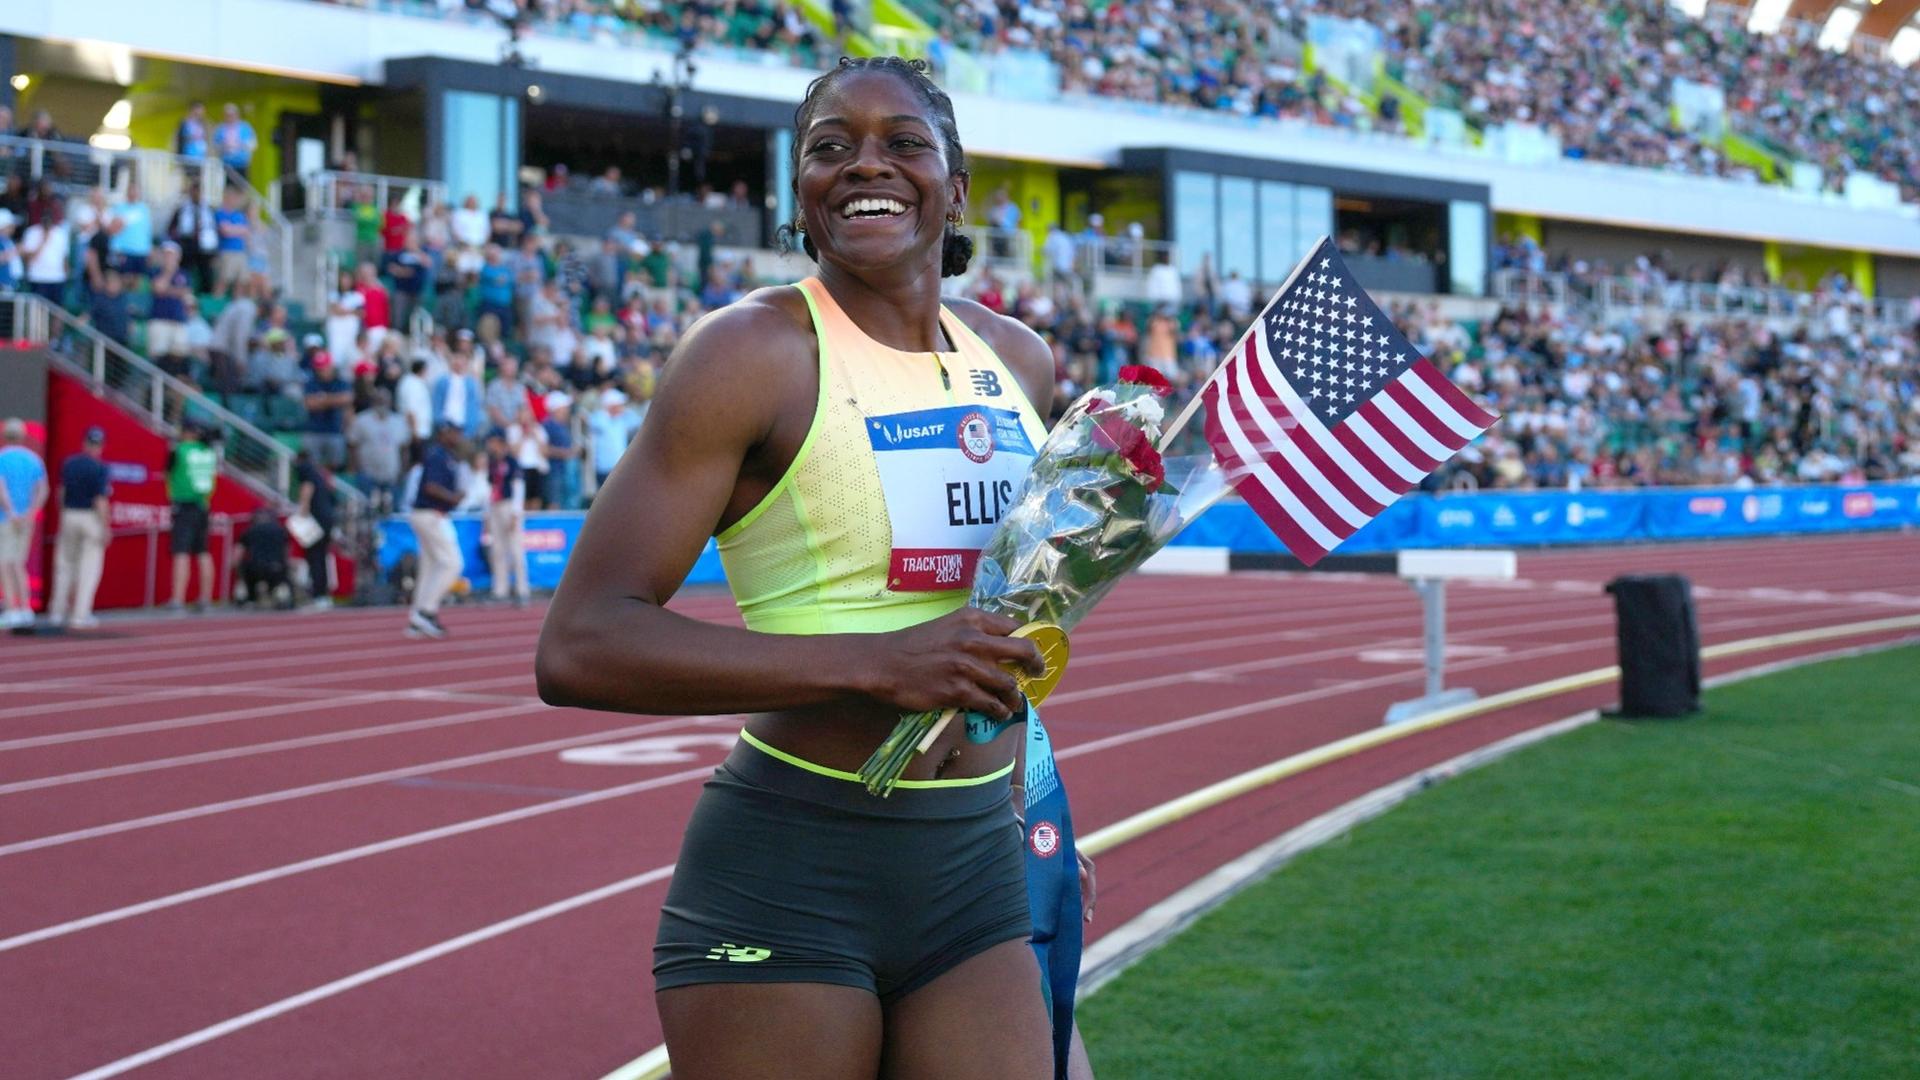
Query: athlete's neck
{"type": "Point", "coordinates": [900, 312]}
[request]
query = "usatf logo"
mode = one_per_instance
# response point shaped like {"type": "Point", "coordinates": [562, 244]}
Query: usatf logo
{"type": "Point", "coordinates": [1044, 839]}
{"type": "Point", "coordinates": [898, 433]}
{"type": "Point", "coordinates": [738, 954]}
{"type": "Point", "coordinates": [976, 438]}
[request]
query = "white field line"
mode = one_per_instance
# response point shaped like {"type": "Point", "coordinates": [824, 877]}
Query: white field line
{"type": "Point", "coordinates": [335, 858]}
{"type": "Point", "coordinates": [301, 742]}
{"type": "Point", "coordinates": [347, 783]}
{"type": "Point", "coordinates": [361, 978]}
{"type": "Point", "coordinates": [265, 687]}
{"type": "Point", "coordinates": [224, 716]}
{"type": "Point", "coordinates": [1135, 735]}
{"type": "Point", "coordinates": [493, 930]}
{"type": "Point", "coordinates": [351, 734]}
{"type": "Point", "coordinates": [257, 643]}
{"type": "Point", "coordinates": [343, 623]}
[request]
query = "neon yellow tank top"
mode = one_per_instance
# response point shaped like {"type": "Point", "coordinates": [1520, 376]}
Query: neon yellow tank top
{"type": "Point", "coordinates": [879, 521]}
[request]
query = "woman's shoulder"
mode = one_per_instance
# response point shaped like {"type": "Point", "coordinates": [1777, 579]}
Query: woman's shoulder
{"type": "Point", "coordinates": [1024, 352]}
{"type": "Point", "coordinates": [768, 325]}
{"type": "Point", "coordinates": [750, 355]}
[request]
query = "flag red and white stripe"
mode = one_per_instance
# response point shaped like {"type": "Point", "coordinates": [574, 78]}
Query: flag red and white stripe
{"type": "Point", "coordinates": [1315, 482]}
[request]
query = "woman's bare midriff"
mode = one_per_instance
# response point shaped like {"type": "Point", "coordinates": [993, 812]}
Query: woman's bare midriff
{"type": "Point", "coordinates": [843, 737]}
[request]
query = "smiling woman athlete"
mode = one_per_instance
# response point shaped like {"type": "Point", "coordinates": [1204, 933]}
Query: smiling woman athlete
{"type": "Point", "coordinates": [849, 441]}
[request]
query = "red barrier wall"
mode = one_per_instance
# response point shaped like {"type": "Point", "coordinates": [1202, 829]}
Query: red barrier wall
{"type": "Point", "coordinates": [137, 460]}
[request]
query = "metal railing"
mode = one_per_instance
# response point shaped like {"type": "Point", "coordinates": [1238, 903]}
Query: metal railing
{"type": "Point", "coordinates": [158, 399]}
{"type": "Point", "coordinates": [1122, 255]}
{"type": "Point", "coordinates": [331, 193]}
{"type": "Point", "coordinates": [78, 168]}
{"type": "Point", "coordinates": [1009, 253]}
{"type": "Point", "coordinates": [1690, 298]}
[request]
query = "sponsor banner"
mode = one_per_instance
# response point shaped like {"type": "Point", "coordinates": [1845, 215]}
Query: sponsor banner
{"type": "Point", "coordinates": [1492, 519]}
{"type": "Point", "coordinates": [1539, 518]}
{"type": "Point", "coordinates": [550, 536]}
{"type": "Point", "coordinates": [1527, 518]}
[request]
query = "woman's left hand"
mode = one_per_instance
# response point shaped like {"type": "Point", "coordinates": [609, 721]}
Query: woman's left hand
{"type": "Point", "coordinates": [1088, 886]}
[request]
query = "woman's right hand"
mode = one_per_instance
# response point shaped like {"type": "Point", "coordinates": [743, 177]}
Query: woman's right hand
{"type": "Point", "coordinates": [951, 662]}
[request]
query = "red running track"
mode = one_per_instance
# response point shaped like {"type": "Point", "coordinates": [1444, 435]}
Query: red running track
{"type": "Point", "coordinates": [301, 846]}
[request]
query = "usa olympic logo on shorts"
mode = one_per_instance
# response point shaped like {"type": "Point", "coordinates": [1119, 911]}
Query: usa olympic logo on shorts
{"type": "Point", "coordinates": [1044, 839]}
{"type": "Point", "coordinates": [976, 438]}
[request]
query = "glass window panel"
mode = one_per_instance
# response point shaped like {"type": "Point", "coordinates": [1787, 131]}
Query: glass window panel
{"type": "Point", "coordinates": [1196, 223]}
{"type": "Point", "coordinates": [1238, 237]}
{"type": "Point", "coordinates": [1279, 250]}
{"type": "Point", "coordinates": [1312, 217]}
{"type": "Point", "coordinates": [1467, 247]}
{"type": "Point", "coordinates": [482, 146]}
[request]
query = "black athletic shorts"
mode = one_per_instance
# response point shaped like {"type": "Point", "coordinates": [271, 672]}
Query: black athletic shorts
{"type": "Point", "coordinates": [189, 536]}
{"type": "Point", "coordinates": [788, 874]}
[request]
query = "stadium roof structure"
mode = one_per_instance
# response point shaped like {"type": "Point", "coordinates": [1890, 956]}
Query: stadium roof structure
{"type": "Point", "coordinates": [1879, 18]}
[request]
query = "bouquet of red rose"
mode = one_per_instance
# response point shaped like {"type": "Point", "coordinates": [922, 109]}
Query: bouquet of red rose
{"type": "Point", "coordinates": [1099, 500]}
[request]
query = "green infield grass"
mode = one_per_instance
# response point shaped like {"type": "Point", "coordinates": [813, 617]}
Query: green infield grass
{"type": "Point", "coordinates": [1732, 895]}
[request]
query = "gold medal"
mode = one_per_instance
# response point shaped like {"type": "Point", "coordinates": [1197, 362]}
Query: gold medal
{"type": "Point", "coordinates": [1052, 643]}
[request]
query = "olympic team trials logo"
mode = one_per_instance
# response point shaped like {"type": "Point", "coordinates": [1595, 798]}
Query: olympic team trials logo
{"type": "Point", "coordinates": [1044, 839]}
{"type": "Point", "coordinates": [976, 438]}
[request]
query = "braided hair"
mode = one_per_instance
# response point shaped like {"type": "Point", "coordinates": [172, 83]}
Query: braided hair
{"type": "Point", "coordinates": [956, 251]}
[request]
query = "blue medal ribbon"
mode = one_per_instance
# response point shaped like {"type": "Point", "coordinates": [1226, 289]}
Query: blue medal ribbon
{"type": "Point", "coordinates": [1053, 876]}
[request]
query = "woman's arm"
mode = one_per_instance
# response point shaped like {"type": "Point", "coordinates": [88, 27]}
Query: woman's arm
{"type": "Point", "coordinates": [610, 643]}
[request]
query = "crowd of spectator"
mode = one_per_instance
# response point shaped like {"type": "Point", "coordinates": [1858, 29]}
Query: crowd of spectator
{"type": "Point", "coordinates": [761, 25]}
{"type": "Point", "coordinates": [1599, 76]}
{"type": "Point", "coordinates": [1589, 399]}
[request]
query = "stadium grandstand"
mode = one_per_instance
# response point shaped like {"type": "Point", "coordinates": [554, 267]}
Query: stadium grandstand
{"type": "Point", "coordinates": [1674, 243]}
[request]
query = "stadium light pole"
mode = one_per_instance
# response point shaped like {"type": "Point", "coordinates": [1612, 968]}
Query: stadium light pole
{"type": "Point", "coordinates": [684, 70]}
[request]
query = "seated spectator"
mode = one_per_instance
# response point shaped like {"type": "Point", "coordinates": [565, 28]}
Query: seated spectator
{"type": "Point", "coordinates": [273, 367]}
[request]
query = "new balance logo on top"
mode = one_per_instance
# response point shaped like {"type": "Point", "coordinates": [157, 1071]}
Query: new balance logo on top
{"type": "Point", "coordinates": [986, 383]}
{"type": "Point", "coordinates": [738, 954]}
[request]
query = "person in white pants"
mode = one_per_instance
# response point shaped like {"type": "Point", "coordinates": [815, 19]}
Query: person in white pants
{"type": "Point", "coordinates": [85, 529]}
{"type": "Point", "coordinates": [439, 492]}
{"type": "Point", "coordinates": [506, 518]}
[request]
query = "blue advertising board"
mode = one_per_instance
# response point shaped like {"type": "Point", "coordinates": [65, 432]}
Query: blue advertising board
{"type": "Point", "coordinates": [1468, 519]}
{"type": "Point", "coordinates": [550, 537]}
{"type": "Point", "coordinates": [1546, 518]}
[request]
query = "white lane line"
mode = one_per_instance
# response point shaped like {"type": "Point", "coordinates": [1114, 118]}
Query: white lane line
{"type": "Point", "coordinates": [372, 974]}
{"type": "Point", "coordinates": [325, 738]}
{"type": "Point", "coordinates": [432, 952]}
{"type": "Point", "coordinates": [224, 716]}
{"type": "Point", "coordinates": [1345, 687]}
{"type": "Point", "coordinates": [347, 626]}
{"type": "Point", "coordinates": [1125, 945]}
{"type": "Point", "coordinates": [343, 784]}
{"type": "Point", "coordinates": [335, 858]}
{"type": "Point", "coordinates": [255, 643]}
{"type": "Point", "coordinates": [302, 742]}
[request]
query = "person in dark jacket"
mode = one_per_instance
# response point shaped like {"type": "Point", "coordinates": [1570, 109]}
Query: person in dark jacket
{"type": "Point", "coordinates": [263, 560]}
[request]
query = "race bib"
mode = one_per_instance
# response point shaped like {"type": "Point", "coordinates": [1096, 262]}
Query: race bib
{"type": "Point", "coordinates": [949, 474]}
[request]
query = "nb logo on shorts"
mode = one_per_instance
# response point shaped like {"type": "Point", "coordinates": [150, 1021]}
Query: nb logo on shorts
{"type": "Point", "coordinates": [738, 954]}
{"type": "Point", "coordinates": [986, 383]}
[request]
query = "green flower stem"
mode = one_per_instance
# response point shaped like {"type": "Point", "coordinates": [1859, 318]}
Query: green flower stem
{"type": "Point", "coordinates": [884, 768]}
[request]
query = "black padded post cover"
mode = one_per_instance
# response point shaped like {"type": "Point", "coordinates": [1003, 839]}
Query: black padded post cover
{"type": "Point", "coordinates": [1659, 645]}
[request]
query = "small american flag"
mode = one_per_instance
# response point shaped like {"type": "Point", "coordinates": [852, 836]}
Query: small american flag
{"type": "Point", "coordinates": [1324, 414]}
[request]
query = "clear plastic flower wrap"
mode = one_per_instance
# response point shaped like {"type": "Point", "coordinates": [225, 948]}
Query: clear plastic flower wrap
{"type": "Point", "coordinates": [1099, 501]}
